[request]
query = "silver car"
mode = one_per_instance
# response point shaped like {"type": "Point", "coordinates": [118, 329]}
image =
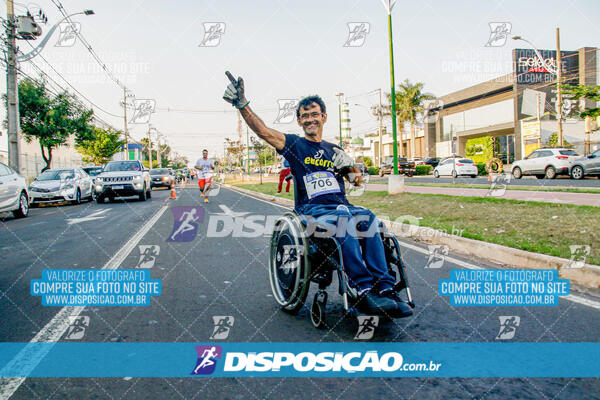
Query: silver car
{"type": "Point", "coordinates": [589, 165]}
{"type": "Point", "coordinates": [61, 185]}
{"type": "Point", "coordinates": [13, 192]}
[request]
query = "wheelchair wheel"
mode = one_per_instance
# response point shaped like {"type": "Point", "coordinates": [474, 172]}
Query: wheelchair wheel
{"type": "Point", "coordinates": [289, 269]}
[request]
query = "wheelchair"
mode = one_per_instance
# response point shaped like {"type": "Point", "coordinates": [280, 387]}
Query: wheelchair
{"type": "Point", "coordinates": [297, 260]}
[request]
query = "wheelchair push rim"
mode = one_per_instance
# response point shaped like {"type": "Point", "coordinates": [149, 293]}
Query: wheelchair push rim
{"type": "Point", "coordinates": [288, 263]}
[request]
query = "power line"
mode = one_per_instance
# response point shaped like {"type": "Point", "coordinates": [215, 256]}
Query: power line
{"type": "Point", "coordinates": [88, 46]}
{"type": "Point", "coordinates": [72, 87]}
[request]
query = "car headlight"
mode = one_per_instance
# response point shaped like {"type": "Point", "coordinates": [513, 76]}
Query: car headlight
{"type": "Point", "coordinates": [98, 180]}
{"type": "Point", "coordinates": [137, 178]}
{"type": "Point", "coordinates": [33, 189]}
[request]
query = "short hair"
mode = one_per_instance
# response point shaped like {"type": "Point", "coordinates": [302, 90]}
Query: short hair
{"type": "Point", "coordinates": [307, 101]}
{"type": "Point", "coordinates": [205, 150]}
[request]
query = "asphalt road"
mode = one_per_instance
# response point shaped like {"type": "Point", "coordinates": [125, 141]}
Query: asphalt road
{"type": "Point", "coordinates": [561, 181]}
{"type": "Point", "coordinates": [212, 276]}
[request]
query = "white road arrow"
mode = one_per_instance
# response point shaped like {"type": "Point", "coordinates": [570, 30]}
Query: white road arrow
{"type": "Point", "coordinates": [91, 217]}
{"type": "Point", "coordinates": [228, 211]}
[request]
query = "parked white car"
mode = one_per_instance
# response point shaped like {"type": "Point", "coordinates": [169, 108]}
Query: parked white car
{"type": "Point", "coordinates": [13, 192]}
{"type": "Point", "coordinates": [61, 185]}
{"type": "Point", "coordinates": [546, 163]}
{"type": "Point", "coordinates": [456, 167]}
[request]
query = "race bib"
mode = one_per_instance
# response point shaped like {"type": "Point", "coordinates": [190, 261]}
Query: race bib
{"type": "Point", "coordinates": [320, 183]}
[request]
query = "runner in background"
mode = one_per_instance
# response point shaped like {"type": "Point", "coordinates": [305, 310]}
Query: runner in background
{"type": "Point", "coordinates": [285, 174]}
{"type": "Point", "coordinates": [205, 167]}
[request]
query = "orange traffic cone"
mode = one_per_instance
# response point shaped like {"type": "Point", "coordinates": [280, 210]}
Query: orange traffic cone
{"type": "Point", "coordinates": [173, 194]}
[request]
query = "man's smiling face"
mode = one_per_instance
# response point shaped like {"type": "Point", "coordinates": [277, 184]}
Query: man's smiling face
{"type": "Point", "coordinates": [311, 120]}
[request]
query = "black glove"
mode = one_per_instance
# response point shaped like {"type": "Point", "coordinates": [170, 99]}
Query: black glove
{"type": "Point", "coordinates": [234, 93]}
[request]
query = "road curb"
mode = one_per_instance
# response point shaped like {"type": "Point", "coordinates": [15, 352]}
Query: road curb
{"type": "Point", "coordinates": [587, 275]}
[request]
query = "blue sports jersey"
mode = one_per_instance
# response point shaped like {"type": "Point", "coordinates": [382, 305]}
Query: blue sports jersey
{"type": "Point", "coordinates": [312, 167]}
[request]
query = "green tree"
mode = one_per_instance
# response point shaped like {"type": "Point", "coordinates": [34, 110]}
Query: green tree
{"type": "Point", "coordinates": [585, 92]}
{"type": "Point", "coordinates": [367, 161]}
{"type": "Point", "coordinates": [101, 146]}
{"type": "Point", "coordinates": [553, 141]}
{"type": "Point", "coordinates": [409, 100]}
{"type": "Point", "coordinates": [49, 119]}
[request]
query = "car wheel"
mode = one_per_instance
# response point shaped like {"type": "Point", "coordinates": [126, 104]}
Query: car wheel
{"type": "Point", "coordinates": [381, 173]}
{"type": "Point", "coordinates": [473, 176]}
{"type": "Point", "coordinates": [77, 197]}
{"type": "Point", "coordinates": [436, 173]}
{"type": "Point", "coordinates": [23, 209]}
{"type": "Point", "coordinates": [550, 173]}
{"type": "Point", "coordinates": [577, 172]}
{"type": "Point", "coordinates": [517, 173]}
{"type": "Point", "coordinates": [149, 194]}
{"type": "Point", "coordinates": [99, 199]}
{"type": "Point", "coordinates": [111, 199]}
{"type": "Point", "coordinates": [143, 194]}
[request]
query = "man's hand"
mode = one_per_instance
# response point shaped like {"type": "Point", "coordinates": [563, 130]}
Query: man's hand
{"type": "Point", "coordinates": [234, 93]}
{"type": "Point", "coordinates": [341, 160]}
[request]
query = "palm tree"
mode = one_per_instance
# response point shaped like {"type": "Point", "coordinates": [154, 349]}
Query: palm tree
{"type": "Point", "coordinates": [409, 103]}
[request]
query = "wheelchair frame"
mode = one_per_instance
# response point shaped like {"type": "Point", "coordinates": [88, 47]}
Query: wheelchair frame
{"type": "Point", "coordinates": [314, 259]}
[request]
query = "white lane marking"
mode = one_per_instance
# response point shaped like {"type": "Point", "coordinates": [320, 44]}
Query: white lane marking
{"type": "Point", "coordinates": [228, 211]}
{"type": "Point", "coordinates": [572, 297]}
{"type": "Point", "coordinates": [91, 217]}
{"type": "Point", "coordinates": [31, 355]}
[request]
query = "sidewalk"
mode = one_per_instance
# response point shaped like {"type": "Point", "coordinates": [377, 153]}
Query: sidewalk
{"type": "Point", "coordinates": [582, 199]}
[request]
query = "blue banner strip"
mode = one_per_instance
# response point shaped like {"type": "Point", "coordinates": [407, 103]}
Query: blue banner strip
{"type": "Point", "coordinates": [373, 359]}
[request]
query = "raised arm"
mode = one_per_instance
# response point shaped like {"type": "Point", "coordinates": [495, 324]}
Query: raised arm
{"type": "Point", "coordinates": [235, 95]}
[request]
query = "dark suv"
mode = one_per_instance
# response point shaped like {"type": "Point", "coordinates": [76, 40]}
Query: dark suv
{"type": "Point", "coordinates": [121, 179]}
{"type": "Point", "coordinates": [405, 167]}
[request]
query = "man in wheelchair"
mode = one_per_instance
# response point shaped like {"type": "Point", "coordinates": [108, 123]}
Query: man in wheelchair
{"type": "Point", "coordinates": [319, 168]}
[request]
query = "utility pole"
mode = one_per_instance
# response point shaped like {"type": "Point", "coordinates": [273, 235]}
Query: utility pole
{"type": "Point", "coordinates": [558, 91]}
{"type": "Point", "coordinates": [125, 123]}
{"type": "Point", "coordinates": [380, 116]}
{"type": "Point", "coordinates": [339, 96]}
{"type": "Point", "coordinates": [248, 148]}
{"type": "Point", "coordinates": [539, 120]}
{"type": "Point", "coordinates": [12, 93]}
{"type": "Point", "coordinates": [158, 156]}
{"type": "Point", "coordinates": [149, 148]}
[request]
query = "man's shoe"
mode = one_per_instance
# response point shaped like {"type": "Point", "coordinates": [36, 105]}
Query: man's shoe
{"type": "Point", "coordinates": [402, 309]}
{"type": "Point", "coordinates": [278, 194]}
{"type": "Point", "coordinates": [206, 199]}
{"type": "Point", "coordinates": [370, 303]}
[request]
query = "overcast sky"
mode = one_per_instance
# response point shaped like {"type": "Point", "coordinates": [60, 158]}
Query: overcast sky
{"type": "Point", "coordinates": [286, 50]}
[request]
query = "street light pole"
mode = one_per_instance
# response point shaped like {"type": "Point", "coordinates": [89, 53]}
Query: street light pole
{"type": "Point", "coordinates": [12, 93]}
{"type": "Point", "coordinates": [558, 90]}
{"type": "Point", "coordinates": [389, 6]}
{"type": "Point", "coordinates": [380, 116]}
